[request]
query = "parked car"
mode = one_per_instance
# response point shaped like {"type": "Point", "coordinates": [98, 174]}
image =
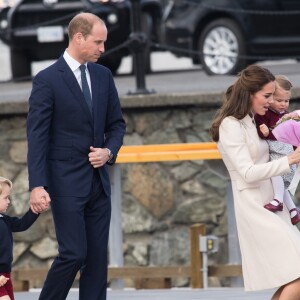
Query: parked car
{"type": "Point", "coordinates": [226, 35]}
{"type": "Point", "coordinates": [36, 30]}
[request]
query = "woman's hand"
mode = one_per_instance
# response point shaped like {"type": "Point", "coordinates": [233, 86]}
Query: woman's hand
{"type": "Point", "coordinates": [294, 158]}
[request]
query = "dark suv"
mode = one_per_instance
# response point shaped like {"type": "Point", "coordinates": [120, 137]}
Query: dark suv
{"type": "Point", "coordinates": [36, 30]}
{"type": "Point", "coordinates": [226, 35]}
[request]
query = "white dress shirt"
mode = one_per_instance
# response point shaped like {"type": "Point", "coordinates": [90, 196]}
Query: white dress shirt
{"type": "Point", "coordinates": [74, 66]}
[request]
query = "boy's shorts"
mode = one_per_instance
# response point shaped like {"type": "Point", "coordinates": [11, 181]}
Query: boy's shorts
{"type": "Point", "coordinates": [7, 289]}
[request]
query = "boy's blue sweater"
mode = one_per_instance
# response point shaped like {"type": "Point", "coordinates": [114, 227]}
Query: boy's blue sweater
{"type": "Point", "coordinates": [8, 225]}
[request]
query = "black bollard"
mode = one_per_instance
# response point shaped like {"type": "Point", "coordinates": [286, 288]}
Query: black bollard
{"type": "Point", "coordinates": [137, 46]}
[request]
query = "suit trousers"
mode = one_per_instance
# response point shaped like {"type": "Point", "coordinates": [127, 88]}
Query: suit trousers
{"type": "Point", "coordinates": [82, 229]}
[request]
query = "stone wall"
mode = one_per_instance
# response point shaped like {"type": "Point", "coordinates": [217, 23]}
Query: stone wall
{"type": "Point", "coordinates": [160, 201]}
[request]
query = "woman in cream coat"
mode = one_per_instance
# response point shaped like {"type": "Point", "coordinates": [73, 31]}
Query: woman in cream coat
{"type": "Point", "coordinates": [270, 244]}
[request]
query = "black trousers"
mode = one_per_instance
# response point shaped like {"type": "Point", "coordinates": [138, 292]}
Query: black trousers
{"type": "Point", "coordinates": [82, 229]}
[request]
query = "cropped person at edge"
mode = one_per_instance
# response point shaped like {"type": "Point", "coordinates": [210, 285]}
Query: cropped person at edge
{"type": "Point", "coordinates": [270, 244]}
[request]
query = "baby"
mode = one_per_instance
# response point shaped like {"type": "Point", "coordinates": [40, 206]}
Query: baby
{"type": "Point", "coordinates": [265, 124]}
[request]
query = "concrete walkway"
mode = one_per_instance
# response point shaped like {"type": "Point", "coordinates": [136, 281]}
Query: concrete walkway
{"type": "Point", "coordinates": [172, 294]}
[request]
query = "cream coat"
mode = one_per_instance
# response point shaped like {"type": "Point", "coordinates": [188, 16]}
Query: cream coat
{"type": "Point", "coordinates": [270, 244]}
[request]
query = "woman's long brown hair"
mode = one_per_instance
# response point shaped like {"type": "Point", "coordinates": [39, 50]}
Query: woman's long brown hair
{"type": "Point", "coordinates": [237, 99]}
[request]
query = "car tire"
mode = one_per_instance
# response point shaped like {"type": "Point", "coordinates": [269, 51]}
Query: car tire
{"type": "Point", "coordinates": [219, 37]}
{"type": "Point", "coordinates": [20, 64]}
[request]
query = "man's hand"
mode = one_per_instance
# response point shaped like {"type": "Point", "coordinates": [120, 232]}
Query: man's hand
{"type": "Point", "coordinates": [39, 200]}
{"type": "Point", "coordinates": [98, 157]}
{"type": "Point", "coordinates": [3, 280]}
{"type": "Point", "coordinates": [264, 130]}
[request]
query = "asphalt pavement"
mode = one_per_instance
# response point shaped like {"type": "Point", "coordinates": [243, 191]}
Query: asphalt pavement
{"type": "Point", "coordinates": [172, 294]}
{"type": "Point", "coordinates": [169, 75]}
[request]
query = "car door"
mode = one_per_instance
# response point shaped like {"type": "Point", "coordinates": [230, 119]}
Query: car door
{"type": "Point", "coordinates": [275, 27]}
{"type": "Point", "coordinates": [290, 20]}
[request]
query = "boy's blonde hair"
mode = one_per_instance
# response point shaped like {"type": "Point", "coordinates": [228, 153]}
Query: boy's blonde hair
{"type": "Point", "coordinates": [283, 82]}
{"type": "Point", "coordinates": [3, 181]}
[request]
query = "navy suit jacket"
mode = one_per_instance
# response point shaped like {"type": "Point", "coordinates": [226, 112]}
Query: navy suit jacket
{"type": "Point", "coordinates": [60, 129]}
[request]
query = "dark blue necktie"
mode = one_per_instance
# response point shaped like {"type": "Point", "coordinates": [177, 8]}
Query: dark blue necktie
{"type": "Point", "coordinates": [85, 88]}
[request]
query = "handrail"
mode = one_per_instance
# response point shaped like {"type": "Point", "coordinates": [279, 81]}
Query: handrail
{"type": "Point", "coordinates": [168, 152]}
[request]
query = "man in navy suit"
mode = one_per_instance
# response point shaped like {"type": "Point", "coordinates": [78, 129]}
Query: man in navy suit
{"type": "Point", "coordinates": [75, 129]}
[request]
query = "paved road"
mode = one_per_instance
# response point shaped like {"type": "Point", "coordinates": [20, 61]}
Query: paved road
{"type": "Point", "coordinates": [175, 81]}
{"type": "Point", "coordinates": [173, 294]}
{"type": "Point", "coordinates": [170, 75]}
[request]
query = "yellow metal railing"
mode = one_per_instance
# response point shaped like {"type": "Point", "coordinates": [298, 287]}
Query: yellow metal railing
{"type": "Point", "coordinates": [168, 152]}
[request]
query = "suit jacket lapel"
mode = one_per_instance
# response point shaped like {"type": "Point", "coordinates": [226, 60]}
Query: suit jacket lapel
{"type": "Point", "coordinates": [73, 85]}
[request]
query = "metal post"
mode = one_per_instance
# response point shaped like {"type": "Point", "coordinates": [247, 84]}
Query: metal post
{"type": "Point", "coordinates": [207, 244]}
{"type": "Point", "coordinates": [137, 46]}
{"type": "Point", "coordinates": [233, 242]}
{"type": "Point", "coordinates": [116, 233]}
{"type": "Point", "coordinates": [205, 270]}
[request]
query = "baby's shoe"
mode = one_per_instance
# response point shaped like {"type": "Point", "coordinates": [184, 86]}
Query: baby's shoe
{"type": "Point", "coordinates": [296, 218]}
{"type": "Point", "coordinates": [273, 207]}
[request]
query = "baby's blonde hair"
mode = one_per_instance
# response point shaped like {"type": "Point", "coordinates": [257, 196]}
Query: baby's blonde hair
{"type": "Point", "coordinates": [283, 82]}
{"type": "Point", "coordinates": [3, 181]}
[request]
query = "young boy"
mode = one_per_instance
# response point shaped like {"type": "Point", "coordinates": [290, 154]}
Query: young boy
{"type": "Point", "coordinates": [7, 226]}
